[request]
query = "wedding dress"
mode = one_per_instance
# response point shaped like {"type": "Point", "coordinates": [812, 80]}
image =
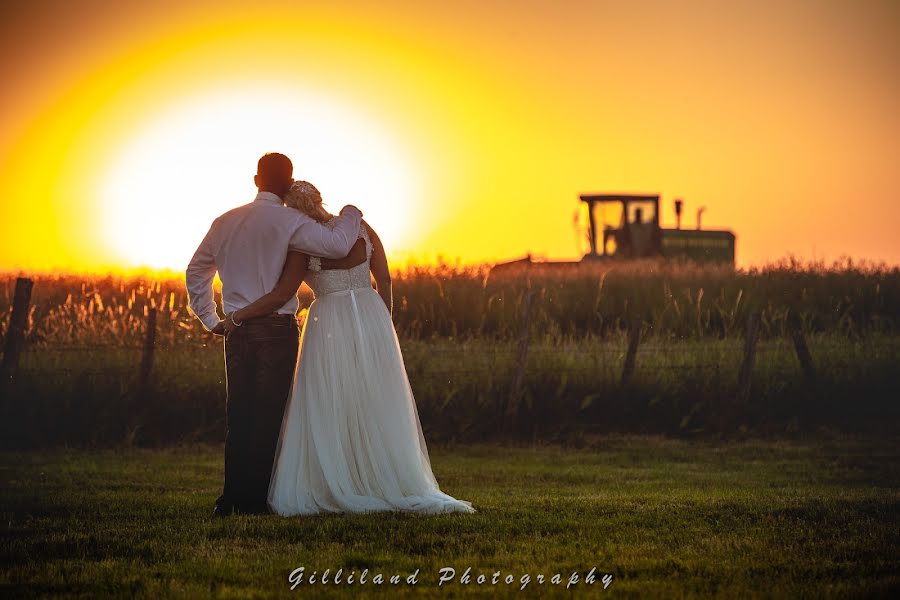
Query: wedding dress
{"type": "Point", "coordinates": [351, 440]}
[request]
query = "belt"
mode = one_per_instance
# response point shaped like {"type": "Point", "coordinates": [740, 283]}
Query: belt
{"type": "Point", "coordinates": [275, 316]}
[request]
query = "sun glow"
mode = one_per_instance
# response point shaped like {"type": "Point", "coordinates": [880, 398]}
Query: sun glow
{"type": "Point", "coordinates": [196, 159]}
{"type": "Point", "coordinates": [131, 125]}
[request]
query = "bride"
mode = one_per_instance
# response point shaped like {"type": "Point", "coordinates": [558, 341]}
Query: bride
{"type": "Point", "coordinates": [350, 438]}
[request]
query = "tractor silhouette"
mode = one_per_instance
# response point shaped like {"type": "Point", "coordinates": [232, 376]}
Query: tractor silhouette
{"type": "Point", "coordinates": [625, 227]}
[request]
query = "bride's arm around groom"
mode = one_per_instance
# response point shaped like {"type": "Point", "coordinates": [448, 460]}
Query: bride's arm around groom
{"type": "Point", "coordinates": [240, 273]}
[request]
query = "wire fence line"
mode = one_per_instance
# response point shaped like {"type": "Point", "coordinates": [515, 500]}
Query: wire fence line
{"type": "Point", "coordinates": [648, 359]}
{"type": "Point", "coordinates": [113, 363]}
{"type": "Point", "coordinates": [737, 347]}
{"type": "Point", "coordinates": [529, 353]}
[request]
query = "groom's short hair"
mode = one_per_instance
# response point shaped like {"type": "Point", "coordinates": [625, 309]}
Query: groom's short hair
{"type": "Point", "coordinates": [274, 167]}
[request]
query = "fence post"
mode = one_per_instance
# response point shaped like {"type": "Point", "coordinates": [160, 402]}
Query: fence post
{"type": "Point", "coordinates": [634, 338]}
{"type": "Point", "coordinates": [148, 351]}
{"type": "Point", "coordinates": [517, 389]}
{"type": "Point", "coordinates": [15, 333]}
{"type": "Point", "coordinates": [803, 355]}
{"type": "Point", "coordinates": [749, 355]}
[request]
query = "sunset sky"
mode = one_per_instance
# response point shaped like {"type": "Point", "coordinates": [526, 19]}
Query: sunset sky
{"type": "Point", "coordinates": [464, 130]}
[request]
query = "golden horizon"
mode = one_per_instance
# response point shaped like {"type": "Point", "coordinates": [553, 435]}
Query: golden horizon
{"type": "Point", "coordinates": [458, 137]}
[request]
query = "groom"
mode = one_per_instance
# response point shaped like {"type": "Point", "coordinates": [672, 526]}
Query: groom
{"type": "Point", "coordinates": [248, 246]}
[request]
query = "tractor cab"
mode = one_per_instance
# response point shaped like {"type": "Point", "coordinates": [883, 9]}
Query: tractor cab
{"type": "Point", "coordinates": [623, 226]}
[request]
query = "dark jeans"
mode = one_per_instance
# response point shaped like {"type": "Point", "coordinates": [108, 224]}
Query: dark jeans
{"type": "Point", "coordinates": [260, 358]}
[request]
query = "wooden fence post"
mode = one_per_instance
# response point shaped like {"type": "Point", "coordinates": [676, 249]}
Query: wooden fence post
{"type": "Point", "coordinates": [15, 333]}
{"type": "Point", "coordinates": [517, 390]}
{"type": "Point", "coordinates": [634, 338]}
{"type": "Point", "coordinates": [803, 355]}
{"type": "Point", "coordinates": [148, 351]}
{"type": "Point", "coordinates": [749, 355]}
{"type": "Point", "coordinates": [795, 326]}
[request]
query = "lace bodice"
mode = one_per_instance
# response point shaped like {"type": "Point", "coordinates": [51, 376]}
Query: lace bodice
{"type": "Point", "coordinates": [336, 280]}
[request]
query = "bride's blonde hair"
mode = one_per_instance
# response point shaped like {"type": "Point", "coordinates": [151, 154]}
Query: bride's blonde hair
{"type": "Point", "coordinates": [304, 196]}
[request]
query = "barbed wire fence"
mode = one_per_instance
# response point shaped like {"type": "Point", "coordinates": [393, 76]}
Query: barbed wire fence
{"type": "Point", "coordinates": [520, 357]}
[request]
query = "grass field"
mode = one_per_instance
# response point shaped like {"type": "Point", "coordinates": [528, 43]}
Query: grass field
{"type": "Point", "coordinates": [460, 329]}
{"type": "Point", "coordinates": [812, 513]}
{"type": "Point", "coordinates": [811, 517]}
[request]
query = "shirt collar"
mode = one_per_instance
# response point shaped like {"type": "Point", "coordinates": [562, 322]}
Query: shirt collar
{"type": "Point", "coordinates": [268, 197]}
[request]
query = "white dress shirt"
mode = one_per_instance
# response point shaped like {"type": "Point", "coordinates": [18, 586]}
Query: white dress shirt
{"type": "Point", "coordinates": [248, 246]}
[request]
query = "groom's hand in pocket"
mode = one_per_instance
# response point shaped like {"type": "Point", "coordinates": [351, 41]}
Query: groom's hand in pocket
{"type": "Point", "coordinates": [218, 329]}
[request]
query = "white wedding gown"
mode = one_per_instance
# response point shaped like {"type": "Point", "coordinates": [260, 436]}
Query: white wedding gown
{"type": "Point", "coordinates": [350, 439]}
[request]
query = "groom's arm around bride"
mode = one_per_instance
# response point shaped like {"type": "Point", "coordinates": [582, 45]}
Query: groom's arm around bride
{"type": "Point", "coordinates": [248, 245]}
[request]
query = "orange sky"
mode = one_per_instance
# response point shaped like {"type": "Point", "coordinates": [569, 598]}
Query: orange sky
{"type": "Point", "coordinates": [464, 130]}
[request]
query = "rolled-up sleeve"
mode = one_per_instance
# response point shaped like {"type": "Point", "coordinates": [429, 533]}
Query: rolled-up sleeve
{"type": "Point", "coordinates": [199, 280]}
{"type": "Point", "coordinates": [318, 240]}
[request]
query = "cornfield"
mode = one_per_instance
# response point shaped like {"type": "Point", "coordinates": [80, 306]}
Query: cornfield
{"type": "Point", "coordinates": [460, 328]}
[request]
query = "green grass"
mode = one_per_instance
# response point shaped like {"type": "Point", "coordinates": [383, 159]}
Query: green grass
{"type": "Point", "coordinates": [808, 517]}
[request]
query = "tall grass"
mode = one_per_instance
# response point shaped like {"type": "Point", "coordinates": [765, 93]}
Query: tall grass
{"type": "Point", "coordinates": [458, 328]}
{"type": "Point", "coordinates": [675, 300]}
